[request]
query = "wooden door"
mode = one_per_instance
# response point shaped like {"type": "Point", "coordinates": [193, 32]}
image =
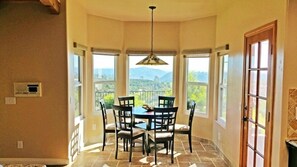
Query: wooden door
{"type": "Point", "coordinates": [258, 96]}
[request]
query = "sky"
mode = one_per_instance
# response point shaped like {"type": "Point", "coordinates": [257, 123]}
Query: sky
{"type": "Point", "coordinates": [195, 64]}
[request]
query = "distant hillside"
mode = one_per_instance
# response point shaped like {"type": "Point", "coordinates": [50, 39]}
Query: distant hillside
{"type": "Point", "coordinates": [202, 76]}
{"type": "Point", "coordinates": [107, 72]}
{"type": "Point", "coordinates": [146, 73]}
{"type": "Point", "coordinates": [167, 77]}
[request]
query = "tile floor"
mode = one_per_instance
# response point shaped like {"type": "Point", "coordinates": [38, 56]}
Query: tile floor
{"type": "Point", "coordinates": [204, 155]}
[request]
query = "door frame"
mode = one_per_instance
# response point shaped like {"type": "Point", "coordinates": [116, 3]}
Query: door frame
{"type": "Point", "coordinates": [272, 26]}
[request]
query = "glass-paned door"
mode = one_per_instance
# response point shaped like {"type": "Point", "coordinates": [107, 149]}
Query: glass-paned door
{"type": "Point", "coordinates": [258, 98]}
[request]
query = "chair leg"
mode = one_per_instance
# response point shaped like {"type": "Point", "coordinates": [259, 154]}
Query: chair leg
{"type": "Point", "coordinates": [117, 145]}
{"type": "Point", "coordinates": [130, 156]}
{"type": "Point", "coordinates": [104, 138]}
{"type": "Point", "coordinates": [148, 149]}
{"type": "Point", "coordinates": [127, 143]}
{"type": "Point", "coordinates": [155, 153]}
{"type": "Point", "coordinates": [166, 146]}
{"type": "Point", "coordinates": [190, 141]}
{"type": "Point", "coordinates": [143, 144]}
{"type": "Point", "coordinates": [124, 144]}
{"type": "Point", "coordinates": [172, 151]}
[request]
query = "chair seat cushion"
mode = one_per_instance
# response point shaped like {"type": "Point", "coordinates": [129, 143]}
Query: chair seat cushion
{"type": "Point", "coordinates": [159, 135]}
{"type": "Point", "coordinates": [136, 131]}
{"type": "Point", "coordinates": [182, 127]}
{"type": "Point", "coordinates": [110, 126]}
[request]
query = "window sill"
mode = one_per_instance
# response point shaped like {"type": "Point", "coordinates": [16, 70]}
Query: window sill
{"type": "Point", "coordinates": [78, 119]}
{"type": "Point", "coordinates": [221, 123]}
{"type": "Point", "coordinates": [200, 115]}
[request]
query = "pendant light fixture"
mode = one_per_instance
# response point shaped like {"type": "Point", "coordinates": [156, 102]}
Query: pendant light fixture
{"type": "Point", "coordinates": [152, 59]}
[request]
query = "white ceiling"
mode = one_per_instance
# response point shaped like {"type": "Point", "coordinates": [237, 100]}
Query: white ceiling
{"type": "Point", "coordinates": [138, 10]}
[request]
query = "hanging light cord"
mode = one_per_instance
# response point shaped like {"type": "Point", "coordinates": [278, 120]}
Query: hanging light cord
{"type": "Point", "coordinates": [152, 29]}
{"type": "Point", "coordinates": [152, 59]}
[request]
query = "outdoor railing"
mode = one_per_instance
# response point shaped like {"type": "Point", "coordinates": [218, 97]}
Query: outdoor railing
{"type": "Point", "coordinates": [141, 97]}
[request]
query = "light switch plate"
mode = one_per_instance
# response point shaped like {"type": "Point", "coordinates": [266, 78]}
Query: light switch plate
{"type": "Point", "coordinates": [10, 100]}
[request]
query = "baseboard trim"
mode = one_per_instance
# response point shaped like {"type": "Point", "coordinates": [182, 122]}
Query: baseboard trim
{"type": "Point", "coordinates": [46, 161]}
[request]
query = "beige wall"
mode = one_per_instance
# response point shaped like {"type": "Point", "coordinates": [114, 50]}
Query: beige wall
{"type": "Point", "coordinates": [232, 22]}
{"type": "Point", "coordinates": [76, 32]}
{"type": "Point", "coordinates": [33, 48]}
{"type": "Point", "coordinates": [290, 70]}
{"type": "Point", "coordinates": [197, 34]}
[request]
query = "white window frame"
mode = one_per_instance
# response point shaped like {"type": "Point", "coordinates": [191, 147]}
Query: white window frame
{"type": "Point", "coordinates": [186, 83]}
{"type": "Point", "coordinates": [114, 81]}
{"type": "Point", "coordinates": [222, 86]}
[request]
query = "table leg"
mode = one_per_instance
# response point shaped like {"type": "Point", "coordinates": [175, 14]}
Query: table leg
{"type": "Point", "coordinates": [148, 126]}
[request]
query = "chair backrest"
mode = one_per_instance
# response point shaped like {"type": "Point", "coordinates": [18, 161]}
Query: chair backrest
{"type": "Point", "coordinates": [166, 101]}
{"type": "Point", "coordinates": [127, 101]}
{"type": "Point", "coordinates": [165, 119]}
{"type": "Point", "coordinates": [192, 106]}
{"type": "Point", "coordinates": [123, 117]}
{"type": "Point", "coordinates": [103, 110]}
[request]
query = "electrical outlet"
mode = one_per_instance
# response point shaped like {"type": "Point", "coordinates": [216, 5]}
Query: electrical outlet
{"type": "Point", "coordinates": [20, 145]}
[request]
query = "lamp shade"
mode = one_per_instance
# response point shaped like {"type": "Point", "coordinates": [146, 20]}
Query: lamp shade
{"type": "Point", "coordinates": [152, 60]}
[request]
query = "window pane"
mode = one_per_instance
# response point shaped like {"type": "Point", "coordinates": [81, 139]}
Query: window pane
{"type": "Point", "coordinates": [263, 83]}
{"type": "Point", "coordinates": [225, 69]}
{"type": "Point", "coordinates": [104, 80]}
{"type": "Point", "coordinates": [77, 101]}
{"type": "Point", "coordinates": [198, 69]}
{"type": "Point", "coordinates": [264, 54]}
{"type": "Point", "coordinates": [250, 157]}
{"type": "Point", "coordinates": [146, 83]}
{"type": "Point", "coordinates": [198, 93]}
{"type": "Point", "coordinates": [197, 82]}
{"type": "Point", "coordinates": [251, 138]}
{"type": "Point", "coordinates": [262, 112]}
{"type": "Point", "coordinates": [254, 55]}
{"type": "Point", "coordinates": [252, 108]}
{"type": "Point", "coordinates": [222, 95]}
{"type": "Point", "coordinates": [253, 82]}
{"type": "Point", "coordinates": [259, 161]}
{"type": "Point", "coordinates": [260, 140]}
{"type": "Point", "coordinates": [77, 84]}
{"type": "Point", "coordinates": [103, 68]}
{"type": "Point", "coordinates": [104, 91]}
{"type": "Point", "coordinates": [223, 103]}
{"type": "Point", "coordinates": [76, 66]}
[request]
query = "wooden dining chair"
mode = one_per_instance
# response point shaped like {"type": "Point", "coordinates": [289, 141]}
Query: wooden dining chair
{"type": "Point", "coordinates": [167, 118]}
{"type": "Point", "coordinates": [187, 128]}
{"type": "Point", "coordinates": [129, 101]}
{"type": "Point", "coordinates": [166, 101]}
{"type": "Point", "coordinates": [125, 129]}
{"type": "Point", "coordinates": [107, 127]}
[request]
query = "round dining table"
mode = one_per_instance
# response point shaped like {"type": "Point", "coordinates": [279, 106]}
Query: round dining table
{"type": "Point", "coordinates": [142, 113]}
